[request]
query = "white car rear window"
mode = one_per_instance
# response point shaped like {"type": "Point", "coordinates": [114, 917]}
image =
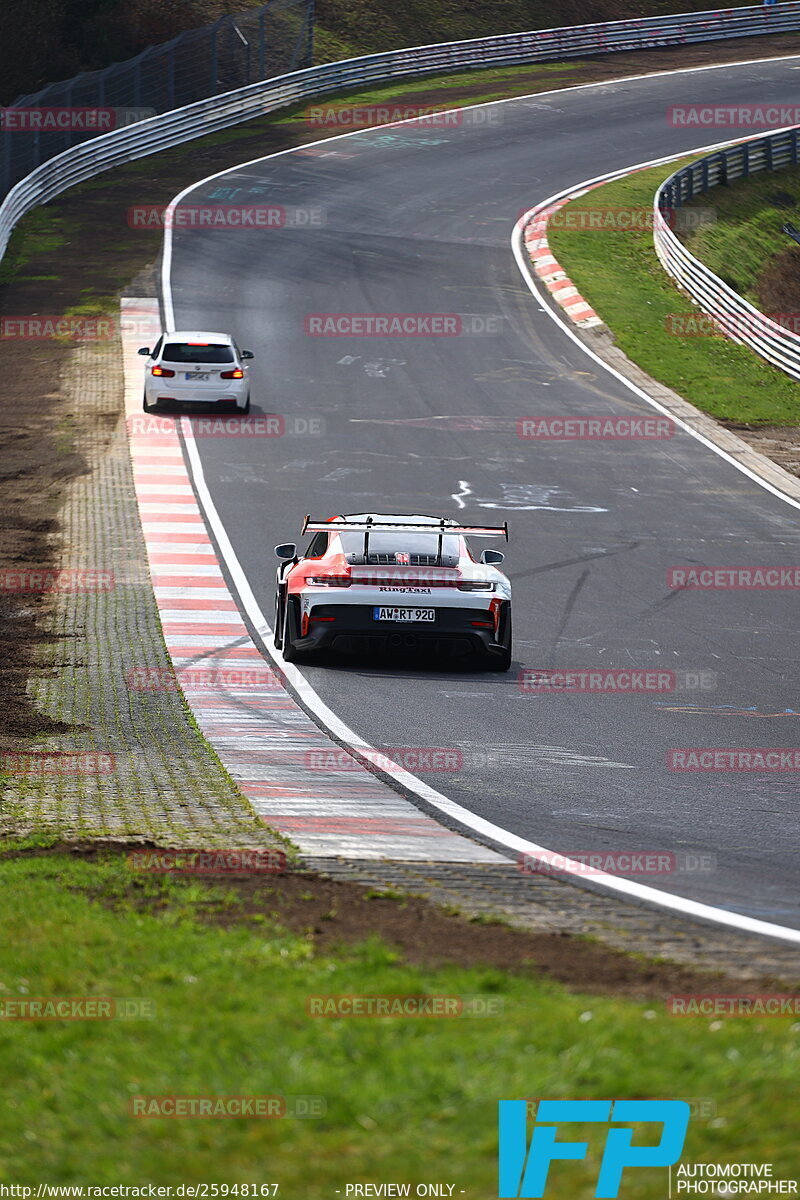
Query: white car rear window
{"type": "Point", "coordinates": [194, 352]}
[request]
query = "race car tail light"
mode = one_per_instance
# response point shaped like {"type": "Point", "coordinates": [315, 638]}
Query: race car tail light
{"type": "Point", "coordinates": [483, 624]}
{"type": "Point", "coordinates": [476, 587]}
{"type": "Point", "coordinates": [307, 620]}
{"type": "Point", "coordinates": [236, 373]}
{"type": "Point", "coordinates": [329, 580]}
{"type": "Point", "coordinates": [165, 371]}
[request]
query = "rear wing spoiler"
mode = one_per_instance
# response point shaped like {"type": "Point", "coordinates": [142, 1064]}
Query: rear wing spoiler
{"type": "Point", "coordinates": [440, 529]}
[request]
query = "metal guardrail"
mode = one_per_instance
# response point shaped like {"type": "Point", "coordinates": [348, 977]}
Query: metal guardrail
{"type": "Point", "coordinates": [734, 316]}
{"type": "Point", "coordinates": [180, 125]}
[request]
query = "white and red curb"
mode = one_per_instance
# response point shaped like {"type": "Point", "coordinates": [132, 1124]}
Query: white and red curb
{"type": "Point", "coordinates": [547, 267]}
{"type": "Point", "coordinates": [264, 738]}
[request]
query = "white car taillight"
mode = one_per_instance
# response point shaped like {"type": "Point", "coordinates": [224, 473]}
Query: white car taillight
{"type": "Point", "coordinates": [475, 587]}
{"type": "Point", "coordinates": [329, 580]}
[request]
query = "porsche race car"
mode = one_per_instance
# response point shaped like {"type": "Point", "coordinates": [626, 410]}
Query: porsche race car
{"type": "Point", "coordinates": [370, 581]}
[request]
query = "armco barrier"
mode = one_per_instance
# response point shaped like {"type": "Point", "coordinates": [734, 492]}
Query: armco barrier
{"type": "Point", "coordinates": [92, 157]}
{"type": "Point", "coordinates": [735, 317]}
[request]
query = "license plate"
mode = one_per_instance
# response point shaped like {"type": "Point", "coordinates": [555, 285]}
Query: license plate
{"type": "Point", "coordinates": [404, 614]}
{"type": "Point", "coordinates": [203, 376]}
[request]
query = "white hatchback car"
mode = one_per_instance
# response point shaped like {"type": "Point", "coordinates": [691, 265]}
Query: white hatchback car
{"type": "Point", "coordinates": [196, 367]}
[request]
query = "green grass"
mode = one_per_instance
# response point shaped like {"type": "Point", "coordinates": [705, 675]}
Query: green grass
{"type": "Point", "coordinates": [393, 93]}
{"type": "Point", "coordinates": [747, 232]}
{"type": "Point", "coordinates": [621, 277]}
{"type": "Point", "coordinates": [407, 1099]}
{"type": "Point", "coordinates": [39, 233]}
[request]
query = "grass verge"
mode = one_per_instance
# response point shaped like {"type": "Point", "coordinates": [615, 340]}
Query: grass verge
{"type": "Point", "coordinates": [620, 276]}
{"type": "Point", "coordinates": [405, 1099]}
{"type": "Point", "coordinates": [746, 236]}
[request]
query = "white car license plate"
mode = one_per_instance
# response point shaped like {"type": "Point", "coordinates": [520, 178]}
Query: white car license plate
{"type": "Point", "coordinates": [204, 376]}
{"type": "Point", "coordinates": [404, 614]}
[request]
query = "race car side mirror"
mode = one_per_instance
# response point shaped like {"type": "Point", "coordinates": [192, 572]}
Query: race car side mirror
{"type": "Point", "coordinates": [287, 550]}
{"type": "Point", "coordinates": [492, 556]}
{"type": "Point", "coordinates": [247, 354]}
{"type": "Point", "coordinates": [145, 350]}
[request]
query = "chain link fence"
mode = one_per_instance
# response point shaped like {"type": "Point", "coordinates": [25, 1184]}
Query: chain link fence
{"type": "Point", "coordinates": [276, 38]}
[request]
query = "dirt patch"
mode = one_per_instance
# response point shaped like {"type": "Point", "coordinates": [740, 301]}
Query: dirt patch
{"type": "Point", "coordinates": [778, 286]}
{"type": "Point", "coordinates": [781, 443]}
{"type": "Point", "coordinates": [333, 914]}
{"type": "Point", "coordinates": [80, 251]}
{"type": "Point", "coordinates": [34, 465]}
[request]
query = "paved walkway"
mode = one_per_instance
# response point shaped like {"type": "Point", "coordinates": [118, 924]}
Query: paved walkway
{"type": "Point", "coordinates": [132, 764]}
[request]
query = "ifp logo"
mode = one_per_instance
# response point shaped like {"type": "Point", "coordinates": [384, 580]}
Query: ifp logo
{"type": "Point", "coordinates": [523, 1170]}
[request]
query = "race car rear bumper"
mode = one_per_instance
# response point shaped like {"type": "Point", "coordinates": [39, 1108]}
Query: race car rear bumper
{"type": "Point", "coordinates": [456, 632]}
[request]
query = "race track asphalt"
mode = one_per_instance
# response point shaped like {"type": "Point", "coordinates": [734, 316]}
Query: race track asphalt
{"type": "Point", "coordinates": [419, 220]}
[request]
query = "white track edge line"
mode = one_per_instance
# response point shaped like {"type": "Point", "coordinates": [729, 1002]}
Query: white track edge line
{"type": "Point", "coordinates": [324, 714]}
{"type": "Point", "coordinates": [419, 787]}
